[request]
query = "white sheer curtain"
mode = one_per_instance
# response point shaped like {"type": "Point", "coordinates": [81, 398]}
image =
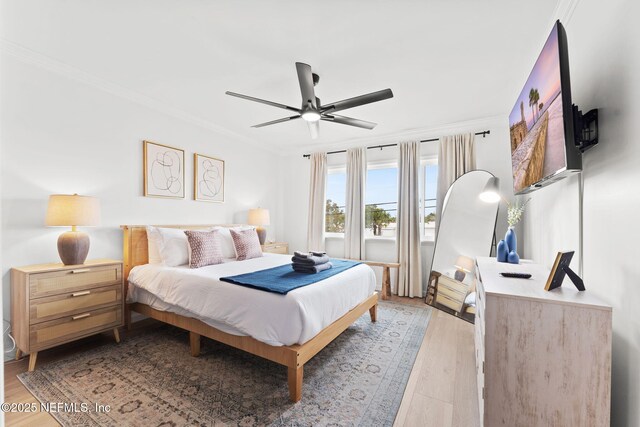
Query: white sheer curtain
{"type": "Point", "coordinates": [317, 191]}
{"type": "Point", "coordinates": [354, 209]}
{"type": "Point", "coordinates": [408, 221]}
{"type": "Point", "coordinates": [457, 156]}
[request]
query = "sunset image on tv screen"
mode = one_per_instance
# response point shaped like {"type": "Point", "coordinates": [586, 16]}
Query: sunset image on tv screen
{"type": "Point", "coordinates": [537, 129]}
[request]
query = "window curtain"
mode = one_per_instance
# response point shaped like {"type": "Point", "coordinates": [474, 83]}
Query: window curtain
{"type": "Point", "coordinates": [355, 209]}
{"type": "Point", "coordinates": [408, 221]}
{"type": "Point", "coordinates": [317, 191]}
{"type": "Point", "coordinates": [457, 156]}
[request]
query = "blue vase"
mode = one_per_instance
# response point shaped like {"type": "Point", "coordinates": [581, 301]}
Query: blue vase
{"type": "Point", "coordinates": [511, 240]}
{"type": "Point", "coordinates": [502, 251]}
{"type": "Point", "coordinates": [513, 258]}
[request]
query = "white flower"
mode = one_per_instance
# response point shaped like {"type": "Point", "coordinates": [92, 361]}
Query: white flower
{"type": "Point", "coordinates": [514, 212]}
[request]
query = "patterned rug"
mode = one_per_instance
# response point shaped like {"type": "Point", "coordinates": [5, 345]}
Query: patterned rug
{"type": "Point", "coordinates": [151, 380]}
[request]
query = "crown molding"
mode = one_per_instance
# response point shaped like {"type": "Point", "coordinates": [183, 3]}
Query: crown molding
{"type": "Point", "coordinates": [432, 131]}
{"type": "Point", "coordinates": [38, 59]}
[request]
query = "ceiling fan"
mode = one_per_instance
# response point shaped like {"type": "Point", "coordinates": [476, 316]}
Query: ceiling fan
{"type": "Point", "coordinates": [312, 111]}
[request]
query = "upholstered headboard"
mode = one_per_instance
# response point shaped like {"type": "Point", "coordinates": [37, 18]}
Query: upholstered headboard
{"type": "Point", "coordinates": [135, 246]}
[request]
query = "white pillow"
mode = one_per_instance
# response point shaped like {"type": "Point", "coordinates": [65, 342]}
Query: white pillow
{"type": "Point", "coordinates": [228, 248]}
{"type": "Point", "coordinates": [153, 243]}
{"type": "Point", "coordinates": [171, 244]}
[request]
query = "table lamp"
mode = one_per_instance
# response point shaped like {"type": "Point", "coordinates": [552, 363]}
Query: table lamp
{"type": "Point", "coordinates": [73, 210]}
{"type": "Point", "coordinates": [259, 217]}
{"type": "Point", "coordinates": [463, 265]}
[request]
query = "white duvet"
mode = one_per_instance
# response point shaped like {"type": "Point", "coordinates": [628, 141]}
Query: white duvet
{"type": "Point", "coordinates": [272, 318]}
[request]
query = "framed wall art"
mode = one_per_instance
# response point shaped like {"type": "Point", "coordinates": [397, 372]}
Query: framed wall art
{"type": "Point", "coordinates": [163, 171]}
{"type": "Point", "coordinates": [208, 178]}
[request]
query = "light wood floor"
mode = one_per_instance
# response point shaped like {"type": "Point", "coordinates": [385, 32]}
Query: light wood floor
{"type": "Point", "coordinates": [441, 390]}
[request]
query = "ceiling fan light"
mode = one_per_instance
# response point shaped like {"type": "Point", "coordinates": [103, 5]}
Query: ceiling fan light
{"type": "Point", "coordinates": [311, 116]}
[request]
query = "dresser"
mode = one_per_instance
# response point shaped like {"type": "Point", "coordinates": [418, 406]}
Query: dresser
{"type": "Point", "coordinates": [52, 304]}
{"type": "Point", "coordinates": [543, 358]}
{"type": "Point", "coordinates": [276, 248]}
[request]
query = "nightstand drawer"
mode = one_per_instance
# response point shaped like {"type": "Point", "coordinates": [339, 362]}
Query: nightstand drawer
{"type": "Point", "coordinates": [68, 328]}
{"type": "Point", "coordinates": [64, 281]}
{"type": "Point", "coordinates": [53, 307]}
{"type": "Point", "coordinates": [277, 250]}
{"type": "Point", "coordinates": [449, 302]}
{"type": "Point", "coordinates": [453, 284]}
{"type": "Point", "coordinates": [451, 293]}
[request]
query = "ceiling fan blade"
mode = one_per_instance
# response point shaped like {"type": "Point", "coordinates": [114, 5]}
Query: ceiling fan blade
{"type": "Point", "coordinates": [349, 121]}
{"type": "Point", "coordinates": [305, 77]}
{"type": "Point", "coordinates": [314, 129]}
{"type": "Point", "coordinates": [263, 101]}
{"type": "Point", "coordinates": [273, 122]}
{"type": "Point", "coordinates": [357, 101]}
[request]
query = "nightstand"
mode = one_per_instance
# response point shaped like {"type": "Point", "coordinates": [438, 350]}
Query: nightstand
{"type": "Point", "coordinates": [451, 293]}
{"type": "Point", "coordinates": [276, 248]}
{"type": "Point", "coordinates": [52, 304]}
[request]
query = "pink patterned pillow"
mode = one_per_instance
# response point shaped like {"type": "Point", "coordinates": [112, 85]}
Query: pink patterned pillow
{"type": "Point", "coordinates": [205, 248]}
{"type": "Point", "coordinates": [246, 243]}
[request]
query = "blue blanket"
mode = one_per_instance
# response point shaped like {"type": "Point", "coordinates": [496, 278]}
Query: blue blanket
{"type": "Point", "coordinates": [283, 279]}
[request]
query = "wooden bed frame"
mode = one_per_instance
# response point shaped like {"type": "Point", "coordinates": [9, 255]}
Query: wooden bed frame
{"type": "Point", "coordinates": [293, 356]}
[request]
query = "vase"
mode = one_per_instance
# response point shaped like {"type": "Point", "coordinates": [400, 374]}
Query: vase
{"type": "Point", "coordinates": [513, 258]}
{"type": "Point", "coordinates": [511, 240]}
{"type": "Point", "coordinates": [502, 251]}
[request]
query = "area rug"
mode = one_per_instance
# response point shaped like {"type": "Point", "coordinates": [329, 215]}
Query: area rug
{"type": "Point", "coordinates": [151, 380]}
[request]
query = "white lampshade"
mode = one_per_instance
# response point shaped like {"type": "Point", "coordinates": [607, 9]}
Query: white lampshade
{"type": "Point", "coordinates": [72, 210]}
{"type": "Point", "coordinates": [491, 191]}
{"type": "Point", "coordinates": [464, 263]}
{"type": "Point", "coordinates": [258, 216]}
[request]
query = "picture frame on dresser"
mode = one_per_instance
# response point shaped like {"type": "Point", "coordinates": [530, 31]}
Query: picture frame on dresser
{"type": "Point", "coordinates": [163, 171]}
{"type": "Point", "coordinates": [208, 178]}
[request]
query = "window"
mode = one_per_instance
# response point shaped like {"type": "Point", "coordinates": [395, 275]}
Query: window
{"type": "Point", "coordinates": [336, 197]}
{"type": "Point", "coordinates": [429, 171]}
{"type": "Point", "coordinates": [381, 200]}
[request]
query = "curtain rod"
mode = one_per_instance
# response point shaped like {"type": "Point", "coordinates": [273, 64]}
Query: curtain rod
{"type": "Point", "coordinates": [483, 133]}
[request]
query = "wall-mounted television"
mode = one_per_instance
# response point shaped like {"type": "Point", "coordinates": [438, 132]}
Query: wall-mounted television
{"type": "Point", "coordinates": [543, 143]}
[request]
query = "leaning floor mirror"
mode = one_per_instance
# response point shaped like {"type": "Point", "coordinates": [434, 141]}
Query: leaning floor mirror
{"type": "Point", "coordinates": [466, 229]}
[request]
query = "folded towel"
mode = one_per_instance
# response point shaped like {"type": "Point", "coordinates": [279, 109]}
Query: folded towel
{"type": "Point", "coordinates": [312, 260]}
{"type": "Point", "coordinates": [302, 254]}
{"type": "Point", "coordinates": [312, 268]}
{"type": "Point", "coordinates": [308, 254]}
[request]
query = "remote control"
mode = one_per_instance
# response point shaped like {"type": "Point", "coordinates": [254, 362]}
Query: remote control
{"type": "Point", "coordinates": [516, 275]}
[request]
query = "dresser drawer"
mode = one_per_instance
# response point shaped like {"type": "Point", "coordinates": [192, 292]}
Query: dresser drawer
{"type": "Point", "coordinates": [64, 281]}
{"type": "Point", "coordinates": [46, 334]}
{"type": "Point", "coordinates": [69, 303]}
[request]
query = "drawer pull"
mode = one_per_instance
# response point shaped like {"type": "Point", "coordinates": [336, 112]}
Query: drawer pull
{"type": "Point", "coordinates": [80, 270]}
{"type": "Point", "coordinates": [81, 316]}
{"type": "Point", "coordinates": [79, 294]}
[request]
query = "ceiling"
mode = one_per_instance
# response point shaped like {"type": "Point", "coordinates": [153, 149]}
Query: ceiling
{"type": "Point", "coordinates": [446, 61]}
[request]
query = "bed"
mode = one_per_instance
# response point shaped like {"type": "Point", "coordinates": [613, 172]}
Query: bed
{"type": "Point", "coordinates": [295, 326]}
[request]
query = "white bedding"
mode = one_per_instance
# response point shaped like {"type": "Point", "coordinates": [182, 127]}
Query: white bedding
{"type": "Point", "coordinates": [271, 318]}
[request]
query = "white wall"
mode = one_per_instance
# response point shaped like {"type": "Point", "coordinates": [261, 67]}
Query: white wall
{"type": "Point", "coordinates": [604, 55]}
{"type": "Point", "coordinates": [492, 155]}
{"type": "Point", "coordinates": [62, 136]}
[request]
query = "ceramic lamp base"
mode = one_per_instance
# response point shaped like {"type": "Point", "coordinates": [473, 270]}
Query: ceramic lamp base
{"type": "Point", "coordinates": [459, 275]}
{"type": "Point", "coordinates": [73, 247]}
{"type": "Point", "coordinates": [262, 235]}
